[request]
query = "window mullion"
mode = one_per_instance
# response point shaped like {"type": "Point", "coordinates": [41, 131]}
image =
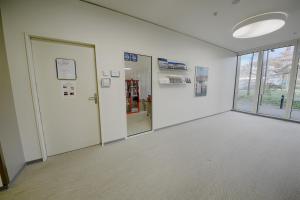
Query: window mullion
{"type": "Point", "coordinates": [237, 79]}
{"type": "Point", "coordinates": [293, 81]}
{"type": "Point", "coordinates": [258, 80]}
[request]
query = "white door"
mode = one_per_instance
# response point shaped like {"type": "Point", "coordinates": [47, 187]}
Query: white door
{"type": "Point", "coordinates": [69, 112]}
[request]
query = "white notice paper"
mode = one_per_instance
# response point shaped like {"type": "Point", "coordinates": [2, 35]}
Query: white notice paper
{"type": "Point", "coordinates": [68, 89]}
{"type": "Point", "coordinates": [66, 69]}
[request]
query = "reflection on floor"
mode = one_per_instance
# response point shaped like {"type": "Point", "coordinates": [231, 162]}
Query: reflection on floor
{"type": "Point", "coordinates": [138, 123]}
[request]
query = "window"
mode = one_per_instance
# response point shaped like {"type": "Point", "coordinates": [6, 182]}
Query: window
{"type": "Point", "coordinates": [245, 100]}
{"type": "Point", "coordinates": [268, 82]}
{"type": "Point", "coordinates": [296, 103]}
{"type": "Point", "coordinates": [275, 78]}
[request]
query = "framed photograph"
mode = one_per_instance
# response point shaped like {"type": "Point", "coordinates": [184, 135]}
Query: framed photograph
{"type": "Point", "coordinates": [201, 79]}
{"type": "Point", "coordinates": [65, 69]}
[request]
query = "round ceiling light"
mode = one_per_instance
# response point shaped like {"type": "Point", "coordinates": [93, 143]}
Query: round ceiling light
{"type": "Point", "coordinates": [260, 25]}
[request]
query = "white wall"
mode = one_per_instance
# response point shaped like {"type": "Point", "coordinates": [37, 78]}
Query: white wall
{"type": "Point", "coordinates": [113, 34]}
{"type": "Point", "coordinates": [9, 133]}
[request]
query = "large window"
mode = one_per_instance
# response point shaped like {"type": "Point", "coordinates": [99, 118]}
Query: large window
{"type": "Point", "coordinates": [268, 83]}
{"type": "Point", "coordinates": [247, 82]}
{"type": "Point", "coordinates": [296, 103]}
{"type": "Point", "coordinates": [275, 81]}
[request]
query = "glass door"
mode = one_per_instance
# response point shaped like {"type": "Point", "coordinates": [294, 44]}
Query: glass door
{"type": "Point", "coordinates": [245, 93]}
{"type": "Point", "coordinates": [138, 91]}
{"type": "Point", "coordinates": [296, 102]}
{"type": "Point", "coordinates": [275, 78]}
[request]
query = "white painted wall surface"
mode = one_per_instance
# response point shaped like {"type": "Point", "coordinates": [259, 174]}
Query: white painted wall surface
{"type": "Point", "coordinates": [9, 132]}
{"type": "Point", "coordinates": [113, 34]}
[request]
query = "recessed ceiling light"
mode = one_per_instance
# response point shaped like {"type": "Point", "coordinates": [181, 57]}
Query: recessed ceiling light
{"type": "Point", "coordinates": [127, 68]}
{"type": "Point", "coordinates": [260, 25]}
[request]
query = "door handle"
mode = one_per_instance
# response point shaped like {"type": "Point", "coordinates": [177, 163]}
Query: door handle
{"type": "Point", "coordinates": [94, 98]}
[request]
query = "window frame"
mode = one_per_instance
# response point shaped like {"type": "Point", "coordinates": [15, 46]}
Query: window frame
{"type": "Point", "coordinates": [237, 81]}
{"type": "Point", "coordinates": [260, 63]}
{"type": "Point", "coordinates": [296, 66]}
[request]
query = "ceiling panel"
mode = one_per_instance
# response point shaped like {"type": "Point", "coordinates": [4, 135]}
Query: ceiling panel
{"type": "Point", "coordinates": [196, 18]}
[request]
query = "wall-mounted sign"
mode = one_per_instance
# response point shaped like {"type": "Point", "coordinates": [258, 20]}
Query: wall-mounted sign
{"type": "Point", "coordinates": [133, 57]}
{"type": "Point", "coordinates": [68, 88]}
{"type": "Point", "coordinates": [105, 82]}
{"type": "Point", "coordinates": [115, 73]}
{"type": "Point", "coordinates": [127, 56]}
{"type": "Point", "coordinates": [130, 57]}
{"type": "Point", "coordinates": [65, 69]}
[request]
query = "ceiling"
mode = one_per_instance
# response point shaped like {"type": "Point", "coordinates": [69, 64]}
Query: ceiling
{"type": "Point", "coordinates": [196, 18]}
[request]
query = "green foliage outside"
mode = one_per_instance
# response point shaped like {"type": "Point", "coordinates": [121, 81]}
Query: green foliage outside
{"type": "Point", "coordinates": [271, 97]}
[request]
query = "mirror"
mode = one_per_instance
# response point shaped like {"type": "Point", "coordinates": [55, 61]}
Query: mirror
{"type": "Point", "coordinates": [138, 90]}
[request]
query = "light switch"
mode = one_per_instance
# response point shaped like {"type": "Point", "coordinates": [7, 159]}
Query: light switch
{"type": "Point", "coordinates": [105, 82]}
{"type": "Point", "coordinates": [105, 73]}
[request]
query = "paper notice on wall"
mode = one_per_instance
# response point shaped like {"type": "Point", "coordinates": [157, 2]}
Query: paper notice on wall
{"type": "Point", "coordinates": [68, 89]}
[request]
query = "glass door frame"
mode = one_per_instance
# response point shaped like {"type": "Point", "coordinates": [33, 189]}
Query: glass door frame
{"type": "Point", "coordinates": [151, 84]}
{"type": "Point", "coordinates": [257, 83]}
{"type": "Point", "coordinates": [292, 82]}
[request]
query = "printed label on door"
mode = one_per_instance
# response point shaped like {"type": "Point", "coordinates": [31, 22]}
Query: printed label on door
{"type": "Point", "coordinates": [68, 89]}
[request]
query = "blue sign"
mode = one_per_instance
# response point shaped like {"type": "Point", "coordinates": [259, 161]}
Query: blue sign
{"type": "Point", "coordinates": [133, 57]}
{"type": "Point", "coordinates": [130, 57]}
{"type": "Point", "coordinates": [127, 56]}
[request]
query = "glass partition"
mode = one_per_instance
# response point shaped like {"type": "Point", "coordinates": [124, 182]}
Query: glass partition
{"type": "Point", "coordinates": [295, 115]}
{"type": "Point", "coordinates": [268, 82]}
{"type": "Point", "coordinates": [138, 91]}
{"type": "Point", "coordinates": [245, 100]}
{"type": "Point", "coordinates": [275, 80]}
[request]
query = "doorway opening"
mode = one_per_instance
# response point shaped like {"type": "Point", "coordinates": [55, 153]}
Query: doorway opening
{"type": "Point", "coordinates": [138, 90]}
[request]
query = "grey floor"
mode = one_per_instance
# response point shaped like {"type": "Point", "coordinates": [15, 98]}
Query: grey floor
{"type": "Point", "coordinates": [229, 156]}
{"type": "Point", "coordinates": [138, 123]}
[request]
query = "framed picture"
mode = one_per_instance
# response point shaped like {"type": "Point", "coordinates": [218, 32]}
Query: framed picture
{"type": "Point", "coordinates": [65, 69]}
{"type": "Point", "coordinates": [201, 79]}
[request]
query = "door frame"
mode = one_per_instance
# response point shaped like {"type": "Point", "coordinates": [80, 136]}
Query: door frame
{"type": "Point", "coordinates": [3, 171]}
{"type": "Point", "coordinates": [151, 78]}
{"type": "Point", "coordinates": [34, 91]}
{"type": "Point", "coordinates": [292, 78]}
